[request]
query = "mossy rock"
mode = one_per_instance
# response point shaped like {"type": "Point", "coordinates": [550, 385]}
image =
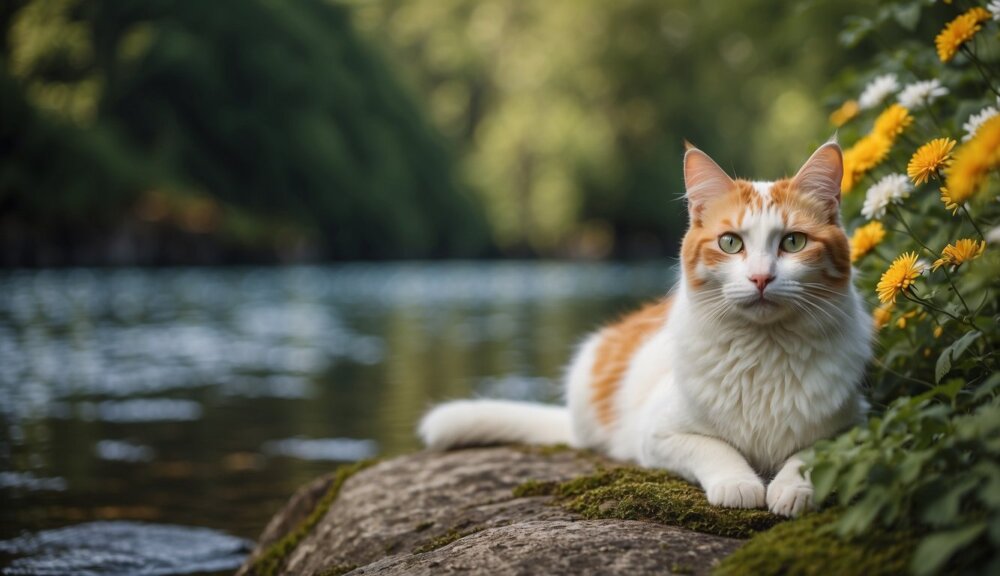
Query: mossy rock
{"type": "Point", "coordinates": [472, 511]}
{"type": "Point", "coordinates": [270, 560]}
{"type": "Point", "coordinates": [456, 512]}
{"type": "Point", "coordinates": [809, 547]}
{"type": "Point", "coordinates": [630, 493]}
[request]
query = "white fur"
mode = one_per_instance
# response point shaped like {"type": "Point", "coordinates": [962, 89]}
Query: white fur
{"type": "Point", "coordinates": [478, 422]}
{"type": "Point", "coordinates": [727, 393]}
{"type": "Point", "coordinates": [763, 189]}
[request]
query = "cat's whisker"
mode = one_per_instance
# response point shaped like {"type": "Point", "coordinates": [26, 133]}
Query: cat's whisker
{"type": "Point", "coordinates": [834, 323]}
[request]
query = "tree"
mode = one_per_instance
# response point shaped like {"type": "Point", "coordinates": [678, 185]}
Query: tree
{"type": "Point", "coordinates": [256, 125]}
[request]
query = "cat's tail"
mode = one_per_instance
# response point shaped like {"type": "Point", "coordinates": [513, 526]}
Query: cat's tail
{"type": "Point", "coordinates": [483, 422]}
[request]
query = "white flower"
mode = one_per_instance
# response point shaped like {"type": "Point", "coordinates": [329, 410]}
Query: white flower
{"type": "Point", "coordinates": [972, 125]}
{"type": "Point", "coordinates": [993, 236]}
{"type": "Point", "coordinates": [892, 188]}
{"type": "Point", "coordinates": [924, 266]}
{"type": "Point", "coordinates": [994, 8]}
{"type": "Point", "coordinates": [876, 91]}
{"type": "Point", "coordinates": [922, 93]}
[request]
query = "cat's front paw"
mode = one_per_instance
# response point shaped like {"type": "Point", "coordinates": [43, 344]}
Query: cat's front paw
{"type": "Point", "coordinates": [736, 492]}
{"type": "Point", "coordinates": [789, 497]}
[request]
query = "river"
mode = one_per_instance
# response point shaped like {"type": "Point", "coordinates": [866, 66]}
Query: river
{"type": "Point", "coordinates": [151, 421]}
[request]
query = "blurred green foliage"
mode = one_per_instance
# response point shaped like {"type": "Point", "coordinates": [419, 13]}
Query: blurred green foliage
{"type": "Point", "coordinates": [215, 130]}
{"type": "Point", "coordinates": [245, 130]}
{"type": "Point", "coordinates": [569, 115]}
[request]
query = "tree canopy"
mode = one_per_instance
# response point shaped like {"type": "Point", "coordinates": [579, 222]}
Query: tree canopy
{"type": "Point", "coordinates": [246, 130]}
{"type": "Point", "coordinates": [254, 128]}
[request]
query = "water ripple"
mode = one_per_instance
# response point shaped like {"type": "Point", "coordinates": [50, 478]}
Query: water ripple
{"type": "Point", "coordinates": [124, 548]}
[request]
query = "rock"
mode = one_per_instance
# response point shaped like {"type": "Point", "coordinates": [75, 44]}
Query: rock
{"type": "Point", "coordinates": [456, 512]}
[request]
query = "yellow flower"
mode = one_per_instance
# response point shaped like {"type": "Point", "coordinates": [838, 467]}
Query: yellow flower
{"type": "Point", "coordinates": [882, 315]}
{"type": "Point", "coordinates": [849, 179]}
{"type": "Point", "coordinates": [929, 158]}
{"type": "Point", "coordinates": [847, 111]}
{"type": "Point", "coordinates": [867, 153]}
{"type": "Point", "coordinates": [938, 331]}
{"type": "Point", "coordinates": [901, 322]}
{"type": "Point", "coordinates": [949, 204]}
{"type": "Point", "coordinates": [892, 121]}
{"type": "Point", "coordinates": [959, 31]}
{"type": "Point", "coordinates": [961, 251]}
{"type": "Point", "coordinates": [972, 162]}
{"type": "Point", "coordinates": [900, 276]}
{"type": "Point", "coordinates": [865, 239]}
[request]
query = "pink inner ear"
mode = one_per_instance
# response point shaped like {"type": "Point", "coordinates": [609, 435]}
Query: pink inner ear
{"type": "Point", "coordinates": [820, 176]}
{"type": "Point", "coordinates": [703, 179]}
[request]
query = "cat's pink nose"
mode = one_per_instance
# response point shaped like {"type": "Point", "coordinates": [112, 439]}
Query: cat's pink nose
{"type": "Point", "coordinates": [761, 280]}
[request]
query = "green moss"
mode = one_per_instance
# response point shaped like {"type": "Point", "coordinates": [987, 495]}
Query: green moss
{"type": "Point", "coordinates": [271, 560]}
{"type": "Point", "coordinates": [444, 539]}
{"type": "Point", "coordinates": [544, 449]}
{"type": "Point", "coordinates": [680, 569]}
{"type": "Point", "coordinates": [630, 493]}
{"type": "Point", "coordinates": [423, 526]}
{"type": "Point", "coordinates": [535, 488]}
{"type": "Point", "coordinates": [807, 546]}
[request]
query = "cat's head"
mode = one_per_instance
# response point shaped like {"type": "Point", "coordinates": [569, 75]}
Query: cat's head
{"type": "Point", "coordinates": [764, 251]}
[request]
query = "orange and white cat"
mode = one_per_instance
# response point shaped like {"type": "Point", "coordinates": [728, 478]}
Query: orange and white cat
{"type": "Point", "coordinates": [757, 353]}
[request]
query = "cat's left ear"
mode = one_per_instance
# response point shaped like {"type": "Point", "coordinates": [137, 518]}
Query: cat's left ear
{"type": "Point", "coordinates": [820, 176]}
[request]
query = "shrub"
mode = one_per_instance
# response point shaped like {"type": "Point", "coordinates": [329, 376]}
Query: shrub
{"type": "Point", "coordinates": [920, 194]}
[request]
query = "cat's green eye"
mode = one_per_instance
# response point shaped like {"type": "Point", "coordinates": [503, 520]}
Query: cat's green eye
{"type": "Point", "coordinates": [793, 242]}
{"type": "Point", "coordinates": [730, 243]}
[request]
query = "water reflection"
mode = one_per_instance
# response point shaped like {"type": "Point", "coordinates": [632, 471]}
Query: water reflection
{"type": "Point", "coordinates": [124, 549]}
{"type": "Point", "coordinates": [203, 397]}
{"type": "Point", "coordinates": [335, 449]}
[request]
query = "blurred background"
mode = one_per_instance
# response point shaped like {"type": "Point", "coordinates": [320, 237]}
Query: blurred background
{"type": "Point", "coordinates": [243, 240]}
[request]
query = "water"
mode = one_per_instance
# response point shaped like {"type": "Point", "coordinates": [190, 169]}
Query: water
{"type": "Point", "coordinates": [150, 406]}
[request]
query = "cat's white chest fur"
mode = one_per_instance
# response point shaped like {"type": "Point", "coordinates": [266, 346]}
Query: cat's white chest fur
{"type": "Point", "coordinates": [769, 391]}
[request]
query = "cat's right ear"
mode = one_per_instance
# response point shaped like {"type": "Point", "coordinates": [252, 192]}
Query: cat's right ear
{"type": "Point", "coordinates": [703, 180]}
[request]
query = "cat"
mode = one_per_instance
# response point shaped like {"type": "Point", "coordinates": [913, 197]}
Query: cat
{"type": "Point", "coordinates": [757, 353]}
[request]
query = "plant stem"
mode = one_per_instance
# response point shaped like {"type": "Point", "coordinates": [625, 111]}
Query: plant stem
{"type": "Point", "coordinates": [879, 363]}
{"type": "Point", "coordinates": [973, 222]}
{"type": "Point", "coordinates": [968, 311]}
{"type": "Point", "coordinates": [899, 216]}
{"type": "Point", "coordinates": [979, 66]}
{"type": "Point", "coordinates": [934, 118]}
{"type": "Point", "coordinates": [909, 295]}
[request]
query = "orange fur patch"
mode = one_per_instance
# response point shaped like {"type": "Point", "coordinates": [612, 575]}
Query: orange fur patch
{"type": "Point", "coordinates": [618, 344]}
{"type": "Point", "coordinates": [801, 212]}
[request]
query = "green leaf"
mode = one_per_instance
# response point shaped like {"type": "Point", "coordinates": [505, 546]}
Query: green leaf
{"type": "Point", "coordinates": [858, 518]}
{"type": "Point", "coordinates": [953, 353]}
{"type": "Point", "coordinates": [823, 475]}
{"type": "Point", "coordinates": [907, 15]}
{"type": "Point", "coordinates": [913, 464]}
{"type": "Point", "coordinates": [954, 308]}
{"type": "Point", "coordinates": [935, 550]}
{"type": "Point", "coordinates": [989, 493]}
{"type": "Point", "coordinates": [854, 479]}
{"type": "Point", "coordinates": [855, 30]}
{"type": "Point", "coordinates": [943, 365]}
{"type": "Point", "coordinates": [944, 509]}
{"type": "Point", "coordinates": [987, 388]}
{"type": "Point", "coordinates": [963, 343]}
